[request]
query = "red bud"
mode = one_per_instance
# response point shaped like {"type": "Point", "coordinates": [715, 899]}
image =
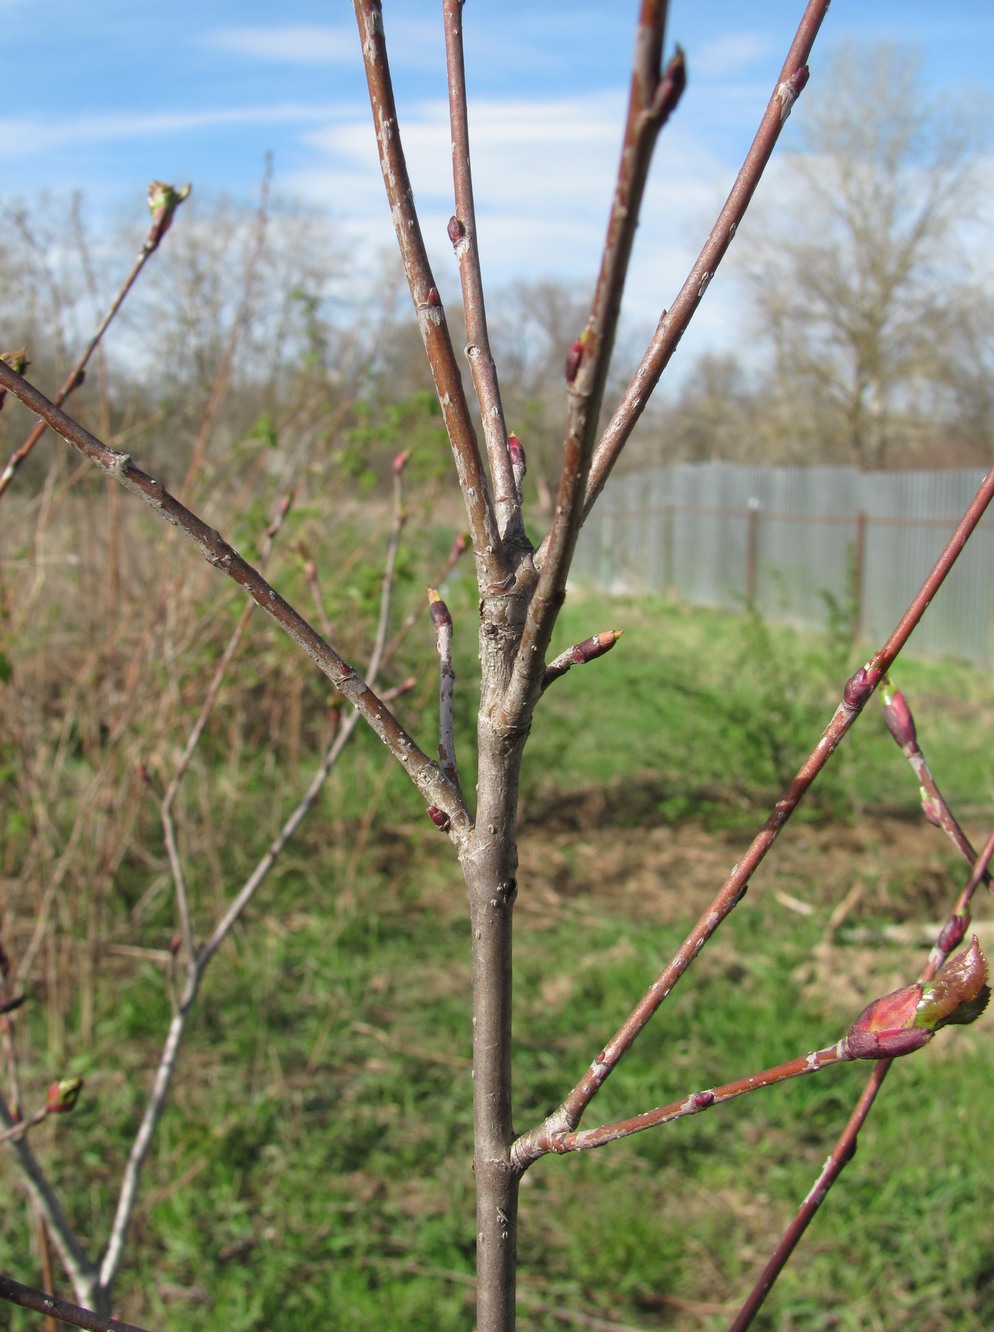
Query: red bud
{"type": "Point", "coordinates": [62, 1096]}
{"type": "Point", "coordinates": [438, 610]}
{"type": "Point", "coordinates": [898, 718]}
{"type": "Point", "coordinates": [861, 685]}
{"type": "Point", "coordinates": [573, 358]}
{"type": "Point", "coordinates": [887, 1027]}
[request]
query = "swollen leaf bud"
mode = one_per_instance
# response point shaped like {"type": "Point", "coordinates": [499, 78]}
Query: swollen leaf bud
{"type": "Point", "coordinates": [898, 718]}
{"type": "Point", "coordinates": [439, 818]}
{"type": "Point", "coordinates": [518, 465]}
{"type": "Point", "coordinates": [456, 230]}
{"type": "Point", "coordinates": [885, 1044]}
{"type": "Point", "coordinates": [163, 200]}
{"type": "Point", "coordinates": [596, 645]}
{"type": "Point", "coordinates": [438, 611]}
{"type": "Point", "coordinates": [958, 994]}
{"type": "Point", "coordinates": [671, 87]}
{"type": "Point", "coordinates": [17, 360]}
{"type": "Point", "coordinates": [861, 685]}
{"type": "Point", "coordinates": [887, 1027]}
{"type": "Point", "coordinates": [62, 1096]}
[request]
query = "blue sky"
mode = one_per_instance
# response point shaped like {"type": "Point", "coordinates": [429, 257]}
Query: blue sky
{"type": "Point", "coordinates": [106, 96]}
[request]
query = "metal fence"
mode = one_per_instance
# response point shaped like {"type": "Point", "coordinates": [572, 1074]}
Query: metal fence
{"type": "Point", "coordinates": [798, 544]}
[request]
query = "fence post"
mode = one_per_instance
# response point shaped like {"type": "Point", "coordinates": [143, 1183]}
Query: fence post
{"type": "Point", "coordinates": [752, 547]}
{"type": "Point", "coordinates": [858, 562]}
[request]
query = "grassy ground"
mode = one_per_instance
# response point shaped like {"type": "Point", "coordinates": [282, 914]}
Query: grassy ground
{"type": "Point", "coordinates": [313, 1169]}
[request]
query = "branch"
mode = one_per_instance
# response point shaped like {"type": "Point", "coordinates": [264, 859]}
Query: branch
{"type": "Point", "coordinates": [38, 1302]}
{"type": "Point", "coordinates": [901, 724]}
{"type": "Point", "coordinates": [193, 739]}
{"type": "Point", "coordinates": [426, 775]}
{"type": "Point", "coordinates": [81, 1271]}
{"type": "Point", "coordinates": [673, 323]}
{"type": "Point", "coordinates": [492, 568]}
{"type": "Point", "coordinates": [652, 98]}
{"type": "Point", "coordinates": [199, 961]}
{"type": "Point", "coordinates": [462, 233]}
{"type": "Point", "coordinates": [844, 1148]}
{"type": "Point", "coordinates": [579, 654]}
{"type": "Point", "coordinates": [857, 692]}
{"type": "Point", "coordinates": [442, 621]}
{"type": "Point", "coordinates": [163, 200]}
{"type": "Point", "coordinates": [694, 1103]}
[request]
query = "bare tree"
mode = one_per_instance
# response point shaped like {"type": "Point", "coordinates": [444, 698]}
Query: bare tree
{"type": "Point", "coordinates": [521, 590]}
{"type": "Point", "coordinates": [858, 281]}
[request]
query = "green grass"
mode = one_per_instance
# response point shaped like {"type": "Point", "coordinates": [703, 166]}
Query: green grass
{"type": "Point", "coordinates": [313, 1169]}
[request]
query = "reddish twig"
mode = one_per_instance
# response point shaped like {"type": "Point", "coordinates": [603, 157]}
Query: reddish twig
{"type": "Point", "coordinates": [580, 653]}
{"type": "Point", "coordinates": [653, 96]}
{"type": "Point", "coordinates": [673, 322]}
{"type": "Point", "coordinates": [901, 725]}
{"type": "Point", "coordinates": [845, 1146]}
{"type": "Point", "coordinates": [858, 690]}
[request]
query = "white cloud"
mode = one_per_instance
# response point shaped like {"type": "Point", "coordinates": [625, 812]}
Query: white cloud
{"type": "Point", "coordinates": [414, 44]}
{"type": "Point", "coordinates": [21, 136]}
{"type": "Point", "coordinates": [310, 45]}
{"type": "Point", "coordinates": [732, 54]}
{"type": "Point", "coordinates": [543, 176]}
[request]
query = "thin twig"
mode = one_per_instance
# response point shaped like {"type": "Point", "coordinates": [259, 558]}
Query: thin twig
{"type": "Point", "coordinates": [80, 1270]}
{"type": "Point", "coordinates": [654, 94]}
{"type": "Point", "coordinates": [21, 1127]}
{"type": "Point", "coordinates": [424, 773]}
{"type": "Point", "coordinates": [193, 739]}
{"type": "Point", "coordinates": [463, 235]}
{"type": "Point", "coordinates": [201, 960]}
{"type": "Point", "coordinates": [858, 690]}
{"type": "Point", "coordinates": [473, 483]}
{"type": "Point", "coordinates": [845, 1146]}
{"type": "Point", "coordinates": [705, 1099]}
{"type": "Point", "coordinates": [900, 723]}
{"type": "Point", "coordinates": [76, 374]}
{"type": "Point", "coordinates": [673, 323]}
{"type": "Point", "coordinates": [442, 621]}
{"type": "Point", "coordinates": [27, 1298]}
{"type": "Point", "coordinates": [239, 327]}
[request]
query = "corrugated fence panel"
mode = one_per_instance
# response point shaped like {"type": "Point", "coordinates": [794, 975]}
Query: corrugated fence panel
{"type": "Point", "coordinates": [796, 542]}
